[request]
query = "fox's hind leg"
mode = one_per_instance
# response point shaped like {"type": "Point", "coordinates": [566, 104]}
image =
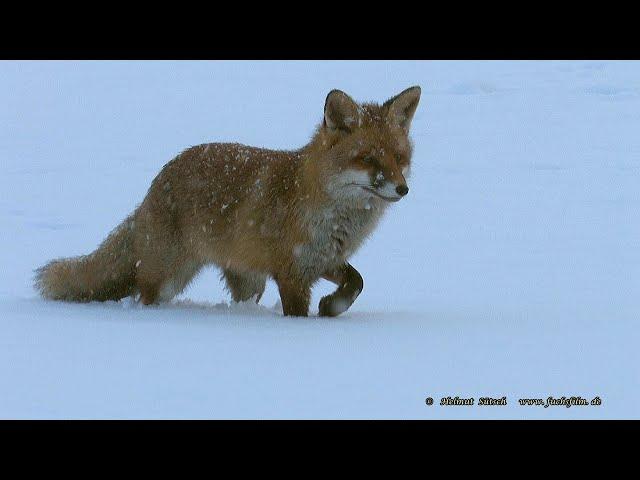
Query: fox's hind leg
{"type": "Point", "coordinates": [182, 274]}
{"type": "Point", "coordinates": [245, 285]}
{"type": "Point", "coordinates": [350, 284]}
{"type": "Point", "coordinates": [160, 282]}
{"type": "Point", "coordinates": [149, 289]}
{"type": "Point", "coordinates": [150, 277]}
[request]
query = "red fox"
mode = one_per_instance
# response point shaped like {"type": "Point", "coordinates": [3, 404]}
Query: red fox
{"type": "Point", "coordinates": [294, 216]}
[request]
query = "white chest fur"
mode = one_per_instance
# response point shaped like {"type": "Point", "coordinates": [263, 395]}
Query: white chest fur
{"type": "Point", "coordinates": [334, 235]}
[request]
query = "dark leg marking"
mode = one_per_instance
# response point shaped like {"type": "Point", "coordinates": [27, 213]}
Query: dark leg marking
{"type": "Point", "coordinates": [350, 284]}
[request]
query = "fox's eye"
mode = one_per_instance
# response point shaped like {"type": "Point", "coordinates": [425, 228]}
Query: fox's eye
{"type": "Point", "coordinates": [369, 160]}
{"type": "Point", "coordinates": [398, 158]}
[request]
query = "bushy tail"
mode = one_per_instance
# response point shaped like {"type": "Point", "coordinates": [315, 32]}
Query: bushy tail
{"type": "Point", "coordinates": [106, 274]}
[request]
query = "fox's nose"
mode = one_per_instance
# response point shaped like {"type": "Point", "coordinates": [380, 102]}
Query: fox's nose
{"type": "Point", "coordinates": [402, 190]}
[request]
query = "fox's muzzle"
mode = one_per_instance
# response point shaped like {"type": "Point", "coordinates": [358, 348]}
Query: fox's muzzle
{"type": "Point", "coordinates": [402, 190]}
{"type": "Point", "coordinates": [388, 192]}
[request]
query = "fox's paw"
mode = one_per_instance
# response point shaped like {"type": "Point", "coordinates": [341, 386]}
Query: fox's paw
{"type": "Point", "coordinates": [333, 305]}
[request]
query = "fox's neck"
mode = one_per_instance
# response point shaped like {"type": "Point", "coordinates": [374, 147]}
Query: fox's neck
{"type": "Point", "coordinates": [320, 143]}
{"type": "Point", "coordinates": [313, 170]}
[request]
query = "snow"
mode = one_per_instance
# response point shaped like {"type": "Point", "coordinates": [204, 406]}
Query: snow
{"type": "Point", "coordinates": [510, 269]}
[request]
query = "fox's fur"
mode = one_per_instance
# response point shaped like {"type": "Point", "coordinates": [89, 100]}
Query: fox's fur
{"type": "Point", "coordinates": [295, 216]}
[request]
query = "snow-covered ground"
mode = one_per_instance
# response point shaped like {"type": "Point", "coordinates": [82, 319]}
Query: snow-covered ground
{"type": "Point", "coordinates": [511, 268]}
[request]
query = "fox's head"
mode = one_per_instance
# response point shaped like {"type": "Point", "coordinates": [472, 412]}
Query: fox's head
{"type": "Point", "coordinates": [365, 148]}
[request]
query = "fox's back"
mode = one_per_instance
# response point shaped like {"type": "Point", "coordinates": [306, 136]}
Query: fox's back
{"type": "Point", "coordinates": [233, 195]}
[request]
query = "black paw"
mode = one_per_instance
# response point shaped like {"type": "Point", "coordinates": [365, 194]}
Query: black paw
{"type": "Point", "coordinates": [333, 305]}
{"type": "Point", "coordinates": [324, 307]}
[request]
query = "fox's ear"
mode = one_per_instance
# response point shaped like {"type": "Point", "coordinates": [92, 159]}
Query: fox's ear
{"type": "Point", "coordinates": [403, 106]}
{"type": "Point", "coordinates": [340, 111]}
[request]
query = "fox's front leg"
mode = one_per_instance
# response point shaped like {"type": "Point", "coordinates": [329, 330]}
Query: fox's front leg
{"type": "Point", "coordinates": [350, 284]}
{"type": "Point", "coordinates": [295, 297]}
